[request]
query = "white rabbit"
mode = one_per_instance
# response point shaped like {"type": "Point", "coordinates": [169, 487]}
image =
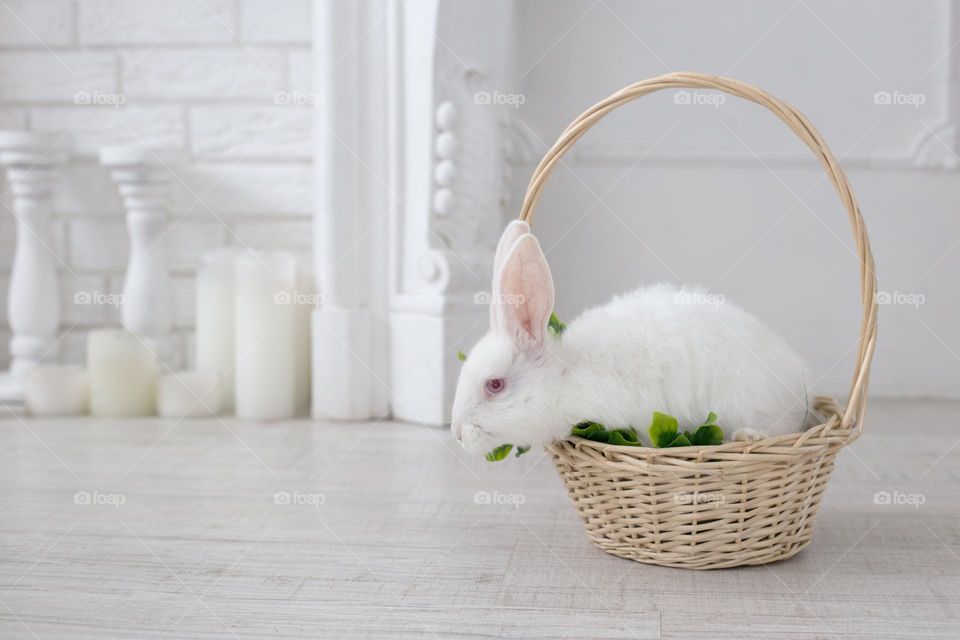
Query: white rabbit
{"type": "Point", "coordinates": [678, 351]}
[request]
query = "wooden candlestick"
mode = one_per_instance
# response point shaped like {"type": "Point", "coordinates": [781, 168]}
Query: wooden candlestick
{"type": "Point", "coordinates": [33, 163]}
{"type": "Point", "coordinates": [143, 180]}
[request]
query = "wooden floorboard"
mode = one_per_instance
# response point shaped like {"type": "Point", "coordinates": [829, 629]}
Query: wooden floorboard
{"type": "Point", "coordinates": [209, 529]}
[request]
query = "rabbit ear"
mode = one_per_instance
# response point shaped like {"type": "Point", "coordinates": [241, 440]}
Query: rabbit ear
{"type": "Point", "coordinates": [513, 231]}
{"type": "Point", "coordinates": [525, 294]}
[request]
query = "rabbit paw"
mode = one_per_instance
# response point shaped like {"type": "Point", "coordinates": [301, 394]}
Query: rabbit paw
{"type": "Point", "coordinates": [748, 435]}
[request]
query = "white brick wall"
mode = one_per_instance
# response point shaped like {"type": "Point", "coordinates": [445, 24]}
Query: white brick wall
{"type": "Point", "coordinates": [199, 76]}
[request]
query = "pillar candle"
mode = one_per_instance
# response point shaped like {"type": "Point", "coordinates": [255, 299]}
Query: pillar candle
{"type": "Point", "coordinates": [215, 319]}
{"type": "Point", "coordinates": [189, 394]}
{"type": "Point", "coordinates": [122, 374]}
{"type": "Point", "coordinates": [305, 302]}
{"type": "Point", "coordinates": [56, 390]}
{"type": "Point", "coordinates": [265, 321]}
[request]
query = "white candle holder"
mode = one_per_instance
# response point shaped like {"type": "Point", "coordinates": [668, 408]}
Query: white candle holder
{"type": "Point", "coordinates": [143, 179]}
{"type": "Point", "coordinates": [33, 163]}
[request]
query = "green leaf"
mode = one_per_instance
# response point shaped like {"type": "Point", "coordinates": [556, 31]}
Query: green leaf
{"type": "Point", "coordinates": [625, 437]}
{"type": "Point", "coordinates": [555, 325]}
{"type": "Point", "coordinates": [522, 450]}
{"type": "Point", "coordinates": [461, 356]}
{"type": "Point", "coordinates": [591, 431]}
{"type": "Point", "coordinates": [708, 434]}
{"type": "Point", "coordinates": [499, 453]}
{"type": "Point", "coordinates": [680, 441]}
{"type": "Point", "coordinates": [663, 429]}
{"type": "Point", "coordinates": [711, 419]}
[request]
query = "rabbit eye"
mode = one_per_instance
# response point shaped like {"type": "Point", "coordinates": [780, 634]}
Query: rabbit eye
{"type": "Point", "coordinates": [494, 385]}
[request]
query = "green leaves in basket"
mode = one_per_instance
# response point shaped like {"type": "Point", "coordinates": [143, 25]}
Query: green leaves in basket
{"type": "Point", "coordinates": [555, 326]}
{"type": "Point", "coordinates": [591, 431]}
{"type": "Point", "coordinates": [499, 453]}
{"type": "Point", "coordinates": [625, 437]}
{"type": "Point", "coordinates": [522, 450]}
{"type": "Point", "coordinates": [709, 433]}
{"type": "Point", "coordinates": [663, 432]}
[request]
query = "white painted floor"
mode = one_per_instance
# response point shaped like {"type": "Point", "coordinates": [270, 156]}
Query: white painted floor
{"type": "Point", "coordinates": [379, 535]}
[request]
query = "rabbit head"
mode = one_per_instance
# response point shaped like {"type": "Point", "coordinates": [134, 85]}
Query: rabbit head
{"type": "Point", "coordinates": [508, 387]}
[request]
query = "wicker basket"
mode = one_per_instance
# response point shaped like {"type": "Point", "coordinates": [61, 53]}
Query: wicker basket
{"type": "Point", "coordinates": [733, 504]}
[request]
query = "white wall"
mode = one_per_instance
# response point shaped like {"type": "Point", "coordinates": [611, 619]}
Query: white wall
{"type": "Point", "coordinates": [704, 194]}
{"type": "Point", "coordinates": [203, 77]}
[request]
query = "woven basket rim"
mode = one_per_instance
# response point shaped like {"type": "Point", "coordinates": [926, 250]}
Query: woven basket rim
{"type": "Point", "coordinates": [824, 434]}
{"type": "Point", "coordinates": [727, 447]}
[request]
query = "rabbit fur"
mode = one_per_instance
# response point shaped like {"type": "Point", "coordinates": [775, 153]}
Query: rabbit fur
{"type": "Point", "coordinates": [660, 348]}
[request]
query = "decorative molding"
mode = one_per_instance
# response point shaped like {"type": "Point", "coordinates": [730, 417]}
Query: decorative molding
{"type": "Point", "coordinates": [450, 134]}
{"type": "Point", "coordinates": [34, 164]}
{"type": "Point", "coordinates": [449, 222]}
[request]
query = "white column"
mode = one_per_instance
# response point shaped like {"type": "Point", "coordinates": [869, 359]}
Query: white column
{"type": "Point", "coordinates": [33, 163]}
{"type": "Point", "coordinates": [350, 374]}
{"type": "Point", "coordinates": [143, 178]}
{"type": "Point", "coordinates": [411, 179]}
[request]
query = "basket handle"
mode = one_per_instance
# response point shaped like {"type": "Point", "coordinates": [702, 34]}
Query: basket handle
{"type": "Point", "coordinates": [853, 413]}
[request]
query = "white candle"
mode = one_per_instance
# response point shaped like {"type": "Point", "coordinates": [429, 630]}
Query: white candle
{"type": "Point", "coordinates": [189, 394]}
{"type": "Point", "coordinates": [304, 301]}
{"type": "Point", "coordinates": [122, 374]}
{"type": "Point", "coordinates": [215, 319]}
{"type": "Point", "coordinates": [56, 390]}
{"type": "Point", "coordinates": [265, 381]}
